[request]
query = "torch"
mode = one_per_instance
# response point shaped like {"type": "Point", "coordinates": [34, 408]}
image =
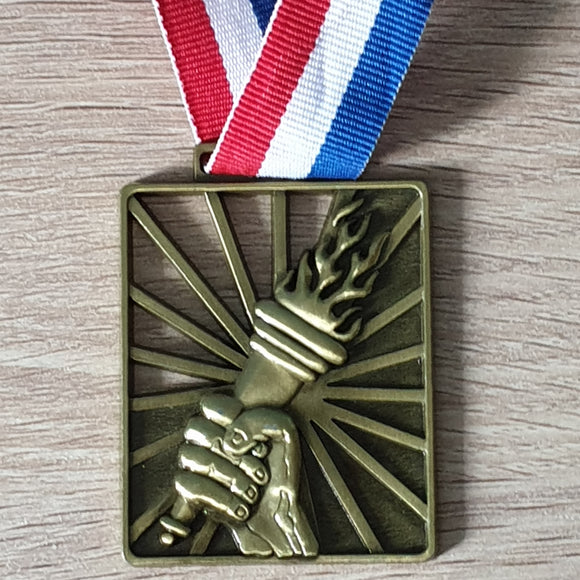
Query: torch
{"type": "Point", "coordinates": [301, 332]}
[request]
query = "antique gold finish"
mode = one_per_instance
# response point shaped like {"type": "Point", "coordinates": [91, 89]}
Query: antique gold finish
{"type": "Point", "coordinates": [321, 391]}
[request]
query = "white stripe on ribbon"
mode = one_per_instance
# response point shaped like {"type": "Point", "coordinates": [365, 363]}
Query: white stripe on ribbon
{"type": "Point", "coordinates": [313, 105]}
{"type": "Point", "coordinates": [239, 39]}
{"type": "Point", "coordinates": [237, 96]}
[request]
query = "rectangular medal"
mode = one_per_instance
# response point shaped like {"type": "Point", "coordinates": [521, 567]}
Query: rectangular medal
{"type": "Point", "coordinates": [291, 422]}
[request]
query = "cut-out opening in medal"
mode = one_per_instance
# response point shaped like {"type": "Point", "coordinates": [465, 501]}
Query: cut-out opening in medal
{"type": "Point", "coordinates": [178, 349]}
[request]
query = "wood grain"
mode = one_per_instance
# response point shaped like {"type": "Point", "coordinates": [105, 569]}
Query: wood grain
{"type": "Point", "coordinates": [488, 117]}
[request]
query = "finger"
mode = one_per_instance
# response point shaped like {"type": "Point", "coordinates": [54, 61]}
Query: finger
{"type": "Point", "coordinates": [205, 492]}
{"type": "Point", "coordinates": [203, 432]}
{"type": "Point", "coordinates": [204, 462]}
{"type": "Point", "coordinates": [249, 464]}
{"type": "Point", "coordinates": [253, 468]}
{"type": "Point", "coordinates": [221, 409]}
{"type": "Point", "coordinates": [200, 431]}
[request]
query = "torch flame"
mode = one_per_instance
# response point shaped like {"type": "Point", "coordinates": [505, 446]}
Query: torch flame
{"type": "Point", "coordinates": [334, 274]}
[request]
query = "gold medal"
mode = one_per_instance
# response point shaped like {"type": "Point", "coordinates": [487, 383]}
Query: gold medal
{"type": "Point", "coordinates": [301, 425]}
{"type": "Point", "coordinates": [306, 430]}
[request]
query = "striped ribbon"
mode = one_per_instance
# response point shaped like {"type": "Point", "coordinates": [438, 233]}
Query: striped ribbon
{"type": "Point", "coordinates": [290, 88]}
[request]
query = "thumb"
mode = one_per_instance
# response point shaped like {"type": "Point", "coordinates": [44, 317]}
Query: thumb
{"type": "Point", "coordinates": [256, 426]}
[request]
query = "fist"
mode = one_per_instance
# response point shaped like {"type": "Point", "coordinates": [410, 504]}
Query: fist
{"type": "Point", "coordinates": [242, 468]}
{"type": "Point", "coordinates": [222, 484]}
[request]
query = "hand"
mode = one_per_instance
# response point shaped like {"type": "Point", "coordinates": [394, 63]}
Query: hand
{"type": "Point", "coordinates": [242, 468]}
{"type": "Point", "coordinates": [278, 520]}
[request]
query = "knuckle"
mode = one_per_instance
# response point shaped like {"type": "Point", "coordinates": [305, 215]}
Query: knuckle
{"type": "Point", "coordinates": [255, 469]}
{"type": "Point", "coordinates": [202, 432]}
{"type": "Point", "coordinates": [220, 409]}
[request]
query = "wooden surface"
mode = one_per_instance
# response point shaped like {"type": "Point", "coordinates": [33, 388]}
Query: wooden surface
{"type": "Point", "coordinates": [488, 117]}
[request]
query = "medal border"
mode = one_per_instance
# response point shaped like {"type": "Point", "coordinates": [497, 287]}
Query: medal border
{"type": "Point", "coordinates": [265, 187]}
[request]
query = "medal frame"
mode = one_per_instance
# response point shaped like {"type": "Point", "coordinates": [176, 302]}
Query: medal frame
{"type": "Point", "coordinates": [415, 216]}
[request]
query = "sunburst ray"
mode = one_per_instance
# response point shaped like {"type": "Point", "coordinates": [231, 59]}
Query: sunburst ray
{"type": "Point", "coordinates": [151, 450]}
{"type": "Point", "coordinates": [389, 315]}
{"type": "Point", "coordinates": [383, 361]}
{"type": "Point", "coordinates": [370, 464]}
{"type": "Point", "coordinates": [402, 228]}
{"type": "Point", "coordinates": [232, 252]}
{"type": "Point", "coordinates": [182, 366]}
{"type": "Point", "coordinates": [212, 344]}
{"type": "Point", "coordinates": [376, 395]}
{"type": "Point", "coordinates": [150, 516]}
{"type": "Point", "coordinates": [279, 236]}
{"type": "Point", "coordinates": [203, 538]}
{"type": "Point", "coordinates": [340, 489]}
{"type": "Point", "coordinates": [172, 399]}
{"type": "Point", "coordinates": [191, 276]}
{"type": "Point", "coordinates": [328, 412]}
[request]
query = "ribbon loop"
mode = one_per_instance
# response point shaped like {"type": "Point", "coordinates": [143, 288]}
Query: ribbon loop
{"type": "Point", "coordinates": [293, 89]}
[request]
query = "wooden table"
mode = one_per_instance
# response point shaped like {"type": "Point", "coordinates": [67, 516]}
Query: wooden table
{"type": "Point", "coordinates": [488, 117]}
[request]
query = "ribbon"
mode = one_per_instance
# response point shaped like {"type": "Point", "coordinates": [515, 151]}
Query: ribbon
{"type": "Point", "coordinates": [295, 89]}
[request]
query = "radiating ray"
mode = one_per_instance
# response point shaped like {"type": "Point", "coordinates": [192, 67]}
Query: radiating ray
{"type": "Point", "coordinates": [186, 327]}
{"type": "Point", "coordinates": [340, 489]}
{"type": "Point", "coordinates": [190, 275]}
{"type": "Point", "coordinates": [182, 366]}
{"type": "Point", "coordinates": [148, 451]}
{"type": "Point", "coordinates": [383, 361]}
{"type": "Point", "coordinates": [370, 464]}
{"type": "Point", "coordinates": [232, 252]}
{"type": "Point", "coordinates": [375, 395]}
{"type": "Point", "coordinates": [402, 228]}
{"type": "Point", "coordinates": [389, 315]}
{"type": "Point", "coordinates": [173, 399]}
{"type": "Point", "coordinates": [328, 412]}
{"type": "Point", "coordinates": [203, 538]}
{"type": "Point", "coordinates": [279, 236]}
{"type": "Point", "coordinates": [150, 516]}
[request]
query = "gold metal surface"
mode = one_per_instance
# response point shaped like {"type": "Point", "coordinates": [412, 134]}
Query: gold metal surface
{"type": "Point", "coordinates": [312, 435]}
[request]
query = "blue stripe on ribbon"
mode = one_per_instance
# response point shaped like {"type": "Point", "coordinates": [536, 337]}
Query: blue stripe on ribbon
{"type": "Point", "coordinates": [372, 90]}
{"type": "Point", "coordinates": [263, 10]}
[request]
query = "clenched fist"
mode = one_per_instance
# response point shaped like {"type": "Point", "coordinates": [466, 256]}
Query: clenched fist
{"type": "Point", "coordinates": [242, 468]}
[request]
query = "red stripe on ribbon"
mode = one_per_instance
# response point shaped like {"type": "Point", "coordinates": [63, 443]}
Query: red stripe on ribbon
{"type": "Point", "coordinates": [205, 86]}
{"type": "Point", "coordinates": [280, 66]}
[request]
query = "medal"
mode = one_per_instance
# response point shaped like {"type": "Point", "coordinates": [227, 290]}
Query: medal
{"type": "Point", "coordinates": [304, 427]}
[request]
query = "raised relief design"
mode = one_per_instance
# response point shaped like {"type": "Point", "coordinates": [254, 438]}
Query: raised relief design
{"type": "Point", "coordinates": [309, 372]}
